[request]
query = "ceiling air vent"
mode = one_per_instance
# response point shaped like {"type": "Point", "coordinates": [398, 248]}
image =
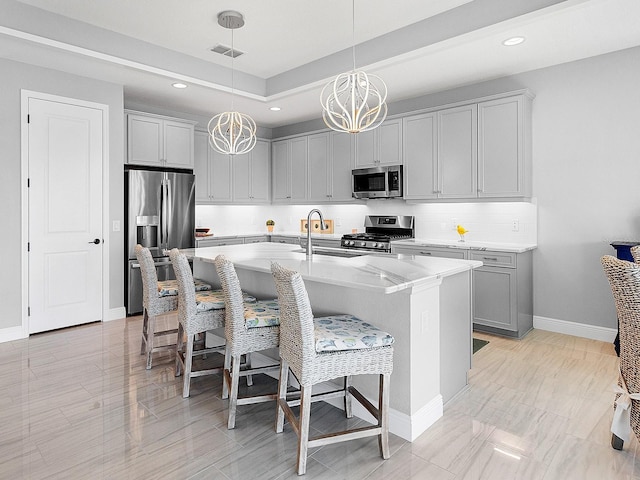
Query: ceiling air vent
{"type": "Point", "coordinates": [228, 51]}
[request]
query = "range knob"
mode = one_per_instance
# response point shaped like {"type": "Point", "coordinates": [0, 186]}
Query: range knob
{"type": "Point", "coordinates": [375, 245]}
{"type": "Point", "coordinates": [363, 244]}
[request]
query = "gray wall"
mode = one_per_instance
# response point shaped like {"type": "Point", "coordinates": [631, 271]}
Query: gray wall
{"type": "Point", "coordinates": [17, 76]}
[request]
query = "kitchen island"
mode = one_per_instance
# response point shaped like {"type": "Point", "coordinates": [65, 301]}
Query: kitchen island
{"type": "Point", "coordinates": [425, 303]}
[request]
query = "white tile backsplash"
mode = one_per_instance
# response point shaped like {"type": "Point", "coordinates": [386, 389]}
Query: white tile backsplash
{"type": "Point", "coordinates": [488, 222]}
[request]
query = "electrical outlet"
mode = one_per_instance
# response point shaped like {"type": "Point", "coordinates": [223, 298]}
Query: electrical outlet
{"type": "Point", "coordinates": [116, 225]}
{"type": "Point", "coordinates": [454, 224]}
{"type": "Point", "coordinates": [515, 225]}
{"type": "Point", "coordinates": [338, 222]}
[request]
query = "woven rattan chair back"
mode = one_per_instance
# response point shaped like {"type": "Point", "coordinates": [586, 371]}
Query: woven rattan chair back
{"type": "Point", "coordinates": [624, 278]}
{"type": "Point", "coordinates": [192, 323]}
{"type": "Point", "coordinates": [242, 340]}
{"type": "Point", "coordinates": [153, 306]}
{"type": "Point", "coordinates": [297, 339]}
{"type": "Point", "coordinates": [635, 253]}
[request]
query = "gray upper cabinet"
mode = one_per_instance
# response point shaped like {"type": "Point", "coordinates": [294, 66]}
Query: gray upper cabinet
{"type": "Point", "coordinates": [480, 150]}
{"type": "Point", "coordinates": [381, 146]}
{"type": "Point", "coordinates": [213, 172]}
{"type": "Point", "coordinates": [319, 166]}
{"type": "Point", "coordinates": [420, 160]}
{"type": "Point", "coordinates": [290, 170]}
{"type": "Point", "coordinates": [159, 141]}
{"type": "Point", "coordinates": [503, 154]}
{"type": "Point", "coordinates": [224, 178]}
{"type": "Point", "coordinates": [313, 168]}
{"type": "Point", "coordinates": [342, 158]}
{"type": "Point", "coordinates": [457, 152]}
{"type": "Point", "coordinates": [251, 179]}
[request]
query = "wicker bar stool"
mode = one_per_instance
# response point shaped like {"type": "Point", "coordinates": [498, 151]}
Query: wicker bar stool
{"type": "Point", "coordinates": [248, 328]}
{"type": "Point", "coordinates": [158, 298]}
{"type": "Point", "coordinates": [197, 313]}
{"type": "Point", "coordinates": [635, 253]}
{"type": "Point", "coordinates": [624, 278]}
{"type": "Point", "coordinates": [322, 349]}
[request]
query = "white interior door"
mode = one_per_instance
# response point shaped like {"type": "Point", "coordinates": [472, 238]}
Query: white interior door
{"type": "Point", "coordinates": [65, 214]}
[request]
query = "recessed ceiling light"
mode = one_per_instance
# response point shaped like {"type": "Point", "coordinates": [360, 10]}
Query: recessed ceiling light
{"type": "Point", "coordinates": [178, 85]}
{"type": "Point", "coordinates": [510, 42]}
{"type": "Point", "coordinates": [275, 109]}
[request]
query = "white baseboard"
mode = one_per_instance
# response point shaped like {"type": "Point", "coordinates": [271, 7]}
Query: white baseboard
{"type": "Point", "coordinates": [592, 332]}
{"type": "Point", "coordinates": [115, 314]}
{"type": "Point", "coordinates": [12, 333]}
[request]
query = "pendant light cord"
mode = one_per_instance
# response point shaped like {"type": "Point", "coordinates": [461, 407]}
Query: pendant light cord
{"type": "Point", "coordinates": [233, 54]}
{"type": "Point", "coordinates": [353, 32]}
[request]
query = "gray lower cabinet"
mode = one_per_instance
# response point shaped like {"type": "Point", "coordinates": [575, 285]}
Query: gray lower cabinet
{"type": "Point", "coordinates": [259, 239]}
{"type": "Point", "coordinates": [443, 252]}
{"type": "Point", "coordinates": [219, 242]}
{"type": "Point", "coordinates": [502, 287]}
{"type": "Point", "coordinates": [285, 239]}
{"type": "Point", "coordinates": [503, 293]}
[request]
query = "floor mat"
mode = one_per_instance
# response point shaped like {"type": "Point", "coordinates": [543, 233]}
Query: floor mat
{"type": "Point", "coordinates": [478, 344]}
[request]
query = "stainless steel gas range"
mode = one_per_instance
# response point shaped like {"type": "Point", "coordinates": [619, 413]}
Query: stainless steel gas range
{"type": "Point", "coordinates": [380, 230]}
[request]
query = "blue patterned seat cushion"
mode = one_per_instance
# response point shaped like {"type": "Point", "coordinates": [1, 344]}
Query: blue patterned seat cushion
{"type": "Point", "coordinates": [264, 313]}
{"type": "Point", "coordinates": [169, 288]}
{"type": "Point", "coordinates": [214, 300]}
{"type": "Point", "coordinates": [346, 332]}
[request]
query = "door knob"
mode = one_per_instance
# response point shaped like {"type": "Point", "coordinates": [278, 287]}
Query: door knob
{"type": "Point", "coordinates": [96, 241]}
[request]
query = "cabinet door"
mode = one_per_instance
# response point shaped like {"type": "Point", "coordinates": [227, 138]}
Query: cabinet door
{"type": "Point", "coordinates": [298, 165]}
{"type": "Point", "coordinates": [457, 152]}
{"type": "Point", "coordinates": [318, 164]}
{"type": "Point", "coordinates": [281, 172]}
{"type": "Point", "coordinates": [144, 140]}
{"type": "Point", "coordinates": [494, 297]}
{"type": "Point", "coordinates": [419, 151]}
{"type": "Point", "coordinates": [201, 166]}
{"type": "Point", "coordinates": [259, 178]}
{"type": "Point", "coordinates": [500, 148]}
{"type": "Point", "coordinates": [241, 167]}
{"type": "Point", "coordinates": [389, 142]}
{"type": "Point", "coordinates": [366, 152]}
{"type": "Point", "coordinates": [178, 144]}
{"type": "Point", "coordinates": [342, 153]}
{"type": "Point", "coordinates": [220, 176]}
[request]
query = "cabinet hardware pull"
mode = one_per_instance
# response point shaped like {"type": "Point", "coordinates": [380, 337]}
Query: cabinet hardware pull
{"type": "Point", "coordinates": [425, 253]}
{"type": "Point", "coordinates": [494, 259]}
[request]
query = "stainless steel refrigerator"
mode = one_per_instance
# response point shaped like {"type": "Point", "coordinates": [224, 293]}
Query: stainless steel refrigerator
{"type": "Point", "coordinates": [160, 215]}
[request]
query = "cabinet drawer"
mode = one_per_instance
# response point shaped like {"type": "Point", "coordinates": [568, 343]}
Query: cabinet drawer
{"type": "Point", "coordinates": [220, 242]}
{"type": "Point", "coordinates": [455, 253]}
{"type": "Point", "coordinates": [497, 259]}
{"type": "Point", "coordinates": [260, 239]}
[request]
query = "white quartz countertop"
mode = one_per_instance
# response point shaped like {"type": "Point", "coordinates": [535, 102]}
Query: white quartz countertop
{"type": "Point", "coordinates": [468, 245]}
{"type": "Point", "coordinates": [386, 273]}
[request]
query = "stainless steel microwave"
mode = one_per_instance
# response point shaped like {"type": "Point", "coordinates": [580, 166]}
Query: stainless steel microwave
{"type": "Point", "coordinates": [378, 182]}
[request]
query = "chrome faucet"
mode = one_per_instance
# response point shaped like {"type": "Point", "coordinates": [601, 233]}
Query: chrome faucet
{"type": "Point", "coordinates": [322, 227]}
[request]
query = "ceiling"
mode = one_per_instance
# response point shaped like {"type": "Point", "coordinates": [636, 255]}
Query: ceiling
{"type": "Point", "coordinates": [293, 47]}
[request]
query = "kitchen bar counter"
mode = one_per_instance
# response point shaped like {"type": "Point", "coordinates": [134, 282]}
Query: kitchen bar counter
{"type": "Point", "coordinates": [425, 303]}
{"type": "Point", "coordinates": [385, 273]}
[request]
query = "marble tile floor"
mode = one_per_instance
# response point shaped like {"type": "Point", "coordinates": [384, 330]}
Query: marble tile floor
{"type": "Point", "coordinates": [78, 403]}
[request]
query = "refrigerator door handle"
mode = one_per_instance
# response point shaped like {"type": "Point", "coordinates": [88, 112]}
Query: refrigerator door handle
{"type": "Point", "coordinates": [164, 200]}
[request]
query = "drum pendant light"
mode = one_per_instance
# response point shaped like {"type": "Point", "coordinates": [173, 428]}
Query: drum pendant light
{"type": "Point", "coordinates": [232, 132]}
{"type": "Point", "coordinates": [355, 101]}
